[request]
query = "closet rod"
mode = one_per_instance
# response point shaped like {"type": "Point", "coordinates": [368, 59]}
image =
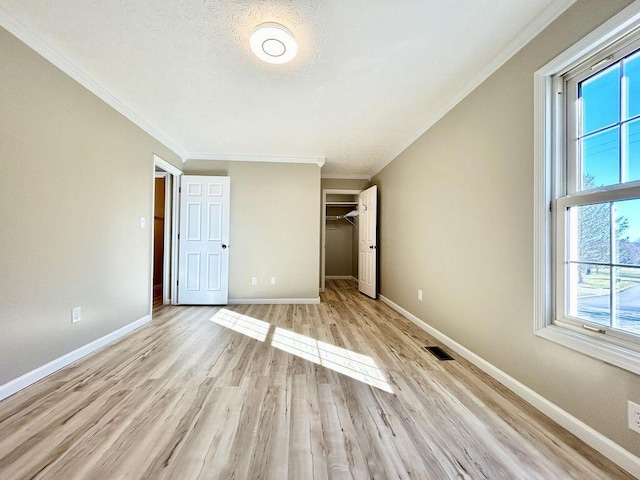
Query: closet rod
{"type": "Point", "coordinates": [347, 217]}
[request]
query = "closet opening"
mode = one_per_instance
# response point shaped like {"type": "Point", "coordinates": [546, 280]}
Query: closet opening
{"type": "Point", "coordinates": [339, 235]}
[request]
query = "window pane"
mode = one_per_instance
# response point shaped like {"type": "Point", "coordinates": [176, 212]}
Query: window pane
{"type": "Point", "coordinates": [590, 233]}
{"type": "Point", "coordinates": [601, 159]}
{"type": "Point", "coordinates": [627, 300]}
{"type": "Point", "coordinates": [632, 147]}
{"type": "Point", "coordinates": [588, 292]}
{"type": "Point", "coordinates": [601, 100]}
{"type": "Point", "coordinates": [632, 85]}
{"type": "Point", "coordinates": [627, 215]}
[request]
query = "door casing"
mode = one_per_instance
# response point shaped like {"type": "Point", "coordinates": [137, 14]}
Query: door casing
{"type": "Point", "coordinates": [170, 259]}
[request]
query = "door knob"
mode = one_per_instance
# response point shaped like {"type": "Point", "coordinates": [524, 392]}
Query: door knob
{"type": "Point", "coordinates": [223, 246]}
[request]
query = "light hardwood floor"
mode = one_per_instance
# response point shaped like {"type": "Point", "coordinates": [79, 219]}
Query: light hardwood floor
{"type": "Point", "coordinates": [287, 394]}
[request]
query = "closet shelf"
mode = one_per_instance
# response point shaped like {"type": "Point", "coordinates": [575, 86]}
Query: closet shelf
{"type": "Point", "coordinates": [341, 204]}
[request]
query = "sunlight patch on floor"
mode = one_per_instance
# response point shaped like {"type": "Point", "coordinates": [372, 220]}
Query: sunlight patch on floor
{"type": "Point", "coordinates": [243, 324]}
{"type": "Point", "coordinates": [354, 365]}
{"type": "Point", "coordinates": [341, 360]}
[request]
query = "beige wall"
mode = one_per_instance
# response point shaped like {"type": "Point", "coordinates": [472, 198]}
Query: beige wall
{"type": "Point", "coordinates": [344, 184]}
{"type": "Point", "coordinates": [275, 214]}
{"type": "Point", "coordinates": [75, 179]}
{"type": "Point", "coordinates": [465, 235]}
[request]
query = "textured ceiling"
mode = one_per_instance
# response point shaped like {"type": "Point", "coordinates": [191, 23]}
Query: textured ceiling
{"type": "Point", "coordinates": [370, 75]}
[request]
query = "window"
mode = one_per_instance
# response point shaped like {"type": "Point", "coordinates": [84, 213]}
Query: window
{"type": "Point", "coordinates": [588, 194]}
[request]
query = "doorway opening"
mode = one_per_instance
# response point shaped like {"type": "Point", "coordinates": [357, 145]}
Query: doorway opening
{"type": "Point", "coordinates": [165, 222]}
{"type": "Point", "coordinates": [159, 216]}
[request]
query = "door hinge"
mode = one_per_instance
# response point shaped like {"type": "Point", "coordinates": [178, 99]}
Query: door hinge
{"type": "Point", "coordinates": [178, 236]}
{"type": "Point", "coordinates": [179, 189]}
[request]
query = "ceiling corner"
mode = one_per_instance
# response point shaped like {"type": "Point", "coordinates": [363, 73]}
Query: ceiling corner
{"type": "Point", "coordinates": [34, 42]}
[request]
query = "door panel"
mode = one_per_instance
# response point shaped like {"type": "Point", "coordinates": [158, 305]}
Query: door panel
{"type": "Point", "coordinates": [194, 221]}
{"type": "Point", "coordinates": [214, 261]}
{"type": "Point", "coordinates": [368, 241]}
{"type": "Point", "coordinates": [215, 222]}
{"type": "Point", "coordinates": [203, 269]}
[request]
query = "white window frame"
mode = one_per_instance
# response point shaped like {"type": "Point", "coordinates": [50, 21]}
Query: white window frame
{"type": "Point", "coordinates": [550, 182]}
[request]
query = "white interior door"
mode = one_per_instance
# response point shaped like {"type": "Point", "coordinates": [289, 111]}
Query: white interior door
{"type": "Point", "coordinates": [203, 266]}
{"type": "Point", "coordinates": [368, 241]}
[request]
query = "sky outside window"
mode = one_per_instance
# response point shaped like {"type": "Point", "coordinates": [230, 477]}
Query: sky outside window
{"type": "Point", "coordinates": [610, 134]}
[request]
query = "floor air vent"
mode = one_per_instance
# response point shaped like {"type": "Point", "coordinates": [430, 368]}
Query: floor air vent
{"type": "Point", "coordinates": [439, 353]}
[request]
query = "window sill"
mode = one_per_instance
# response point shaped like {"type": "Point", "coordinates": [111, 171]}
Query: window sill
{"type": "Point", "coordinates": [619, 356]}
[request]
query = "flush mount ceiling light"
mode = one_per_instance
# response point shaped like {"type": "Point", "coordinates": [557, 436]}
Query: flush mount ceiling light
{"type": "Point", "coordinates": [273, 43]}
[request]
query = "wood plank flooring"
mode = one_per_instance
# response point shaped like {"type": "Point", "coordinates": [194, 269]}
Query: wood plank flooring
{"type": "Point", "coordinates": [277, 392]}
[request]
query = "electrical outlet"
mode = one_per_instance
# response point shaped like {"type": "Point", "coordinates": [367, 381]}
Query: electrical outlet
{"type": "Point", "coordinates": [143, 222]}
{"type": "Point", "coordinates": [254, 280]}
{"type": "Point", "coordinates": [76, 314]}
{"type": "Point", "coordinates": [634, 416]}
{"type": "Point", "coordinates": [419, 294]}
{"type": "Point", "coordinates": [273, 280]}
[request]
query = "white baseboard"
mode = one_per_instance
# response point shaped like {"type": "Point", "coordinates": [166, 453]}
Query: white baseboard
{"type": "Point", "coordinates": [273, 301]}
{"type": "Point", "coordinates": [39, 373]}
{"type": "Point", "coordinates": [590, 436]}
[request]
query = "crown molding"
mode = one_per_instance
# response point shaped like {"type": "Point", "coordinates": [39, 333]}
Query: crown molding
{"type": "Point", "coordinates": [320, 161]}
{"type": "Point", "coordinates": [61, 62]}
{"type": "Point", "coordinates": [166, 166]}
{"type": "Point", "coordinates": [543, 20]}
{"type": "Point", "coordinates": [26, 36]}
{"type": "Point", "coordinates": [346, 176]}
